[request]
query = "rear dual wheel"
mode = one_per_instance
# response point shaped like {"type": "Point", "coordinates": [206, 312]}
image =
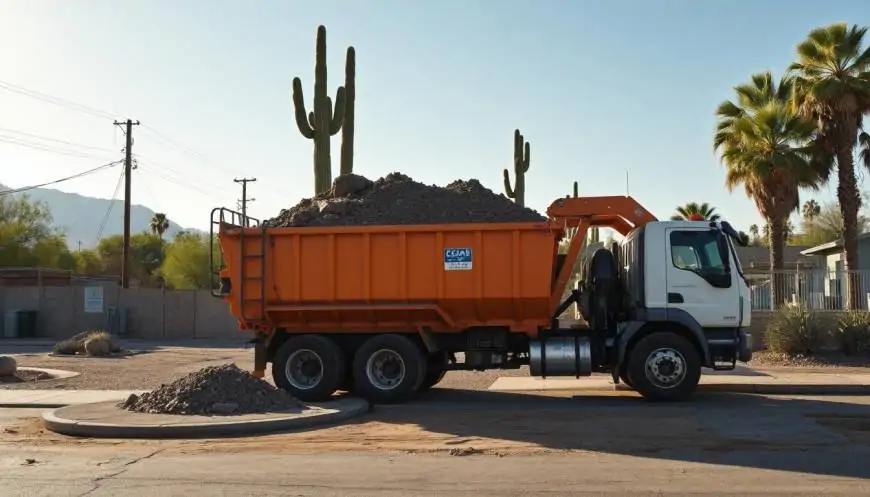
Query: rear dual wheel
{"type": "Point", "coordinates": [388, 369]}
{"type": "Point", "coordinates": [309, 367]}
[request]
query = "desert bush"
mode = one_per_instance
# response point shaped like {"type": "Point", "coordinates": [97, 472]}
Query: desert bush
{"type": "Point", "coordinates": [66, 347]}
{"type": "Point", "coordinates": [98, 344]}
{"type": "Point", "coordinates": [101, 342]}
{"type": "Point", "coordinates": [853, 332]}
{"type": "Point", "coordinates": [797, 330]}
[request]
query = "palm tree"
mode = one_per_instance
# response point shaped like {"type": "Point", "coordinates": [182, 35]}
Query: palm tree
{"type": "Point", "coordinates": [763, 146]}
{"type": "Point", "coordinates": [832, 87]}
{"type": "Point", "coordinates": [159, 224]}
{"type": "Point", "coordinates": [694, 211]}
{"type": "Point", "coordinates": [753, 233]}
{"type": "Point", "coordinates": [811, 209]}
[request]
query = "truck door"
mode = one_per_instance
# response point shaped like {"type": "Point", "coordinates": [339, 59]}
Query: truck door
{"type": "Point", "coordinates": [699, 276]}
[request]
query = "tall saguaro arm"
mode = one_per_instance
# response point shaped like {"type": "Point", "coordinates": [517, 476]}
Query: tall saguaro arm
{"type": "Point", "coordinates": [323, 121]}
{"type": "Point", "coordinates": [522, 157]}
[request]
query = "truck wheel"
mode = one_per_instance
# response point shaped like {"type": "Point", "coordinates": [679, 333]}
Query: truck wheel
{"type": "Point", "coordinates": [664, 366]}
{"type": "Point", "coordinates": [435, 371]}
{"type": "Point", "coordinates": [310, 367]}
{"type": "Point", "coordinates": [388, 369]}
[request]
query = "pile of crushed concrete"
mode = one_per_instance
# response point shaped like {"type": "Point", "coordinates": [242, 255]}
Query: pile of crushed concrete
{"type": "Point", "coordinates": [397, 199]}
{"type": "Point", "coordinates": [214, 390]}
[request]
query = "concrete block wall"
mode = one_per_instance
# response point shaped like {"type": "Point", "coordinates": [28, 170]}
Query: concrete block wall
{"type": "Point", "coordinates": [152, 314]}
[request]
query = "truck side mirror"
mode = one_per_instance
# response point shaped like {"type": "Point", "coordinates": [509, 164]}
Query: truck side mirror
{"type": "Point", "coordinates": [724, 253]}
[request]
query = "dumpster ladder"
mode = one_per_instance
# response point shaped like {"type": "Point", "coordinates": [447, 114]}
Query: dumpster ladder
{"type": "Point", "coordinates": [224, 219]}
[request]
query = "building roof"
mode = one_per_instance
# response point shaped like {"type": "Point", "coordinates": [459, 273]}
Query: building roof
{"type": "Point", "coordinates": [758, 256]}
{"type": "Point", "coordinates": [831, 247]}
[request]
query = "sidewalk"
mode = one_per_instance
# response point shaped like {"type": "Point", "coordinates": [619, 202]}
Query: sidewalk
{"type": "Point", "coordinates": [749, 381]}
{"type": "Point", "coordinates": [60, 398]}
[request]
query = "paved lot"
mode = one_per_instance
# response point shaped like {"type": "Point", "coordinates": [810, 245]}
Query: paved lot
{"type": "Point", "coordinates": [514, 444]}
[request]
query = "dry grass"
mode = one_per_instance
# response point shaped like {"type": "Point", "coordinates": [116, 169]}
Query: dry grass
{"type": "Point", "coordinates": [103, 343]}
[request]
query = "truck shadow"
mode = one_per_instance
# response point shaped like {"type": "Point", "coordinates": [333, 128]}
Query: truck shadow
{"type": "Point", "coordinates": [827, 436]}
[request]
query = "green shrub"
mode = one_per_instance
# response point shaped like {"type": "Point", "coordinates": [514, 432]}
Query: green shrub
{"type": "Point", "coordinates": [66, 347]}
{"type": "Point", "coordinates": [796, 330]}
{"type": "Point", "coordinates": [853, 332]}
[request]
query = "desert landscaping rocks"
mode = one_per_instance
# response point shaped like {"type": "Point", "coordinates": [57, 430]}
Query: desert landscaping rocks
{"type": "Point", "coordinates": [8, 366]}
{"type": "Point", "coordinates": [214, 390]}
{"type": "Point", "coordinates": [397, 199]}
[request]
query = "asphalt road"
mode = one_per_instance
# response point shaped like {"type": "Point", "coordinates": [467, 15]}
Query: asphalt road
{"type": "Point", "coordinates": [594, 444]}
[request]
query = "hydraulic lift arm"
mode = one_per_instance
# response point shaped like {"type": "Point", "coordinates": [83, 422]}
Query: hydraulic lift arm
{"type": "Point", "coordinates": [621, 213]}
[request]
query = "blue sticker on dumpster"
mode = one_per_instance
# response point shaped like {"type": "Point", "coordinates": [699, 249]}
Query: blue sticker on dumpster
{"type": "Point", "coordinates": [457, 259]}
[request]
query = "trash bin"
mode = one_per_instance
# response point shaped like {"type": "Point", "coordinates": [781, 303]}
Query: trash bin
{"type": "Point", "coordinates": [26, 324]}
{"type": "Point", "coordinates": [19, 324]}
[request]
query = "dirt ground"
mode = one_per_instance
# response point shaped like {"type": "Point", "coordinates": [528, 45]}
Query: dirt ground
{"type": "Point", "coordinates": [153, 365]}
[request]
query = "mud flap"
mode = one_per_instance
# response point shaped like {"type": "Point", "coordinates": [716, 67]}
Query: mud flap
{"type": "Point", "coordinates": [261, 342]}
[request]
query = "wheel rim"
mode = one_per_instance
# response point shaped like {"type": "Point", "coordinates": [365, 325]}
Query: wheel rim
{"type": "Point", "coordinates": [385, 369]}
{"type": "Point", "coordinates": [304, 369]}
{"type": "Point", "coordinates": [665, 368]}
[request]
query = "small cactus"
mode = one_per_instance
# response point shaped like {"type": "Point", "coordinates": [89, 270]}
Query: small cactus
{"type": "Point", "coordinates": [324, 121]}
{"type": "Point", "coordinates": [521, 167]}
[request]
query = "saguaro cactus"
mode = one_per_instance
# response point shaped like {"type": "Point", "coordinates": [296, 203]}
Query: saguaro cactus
{"type": "Point", "coordinates": [521, 167]}
{"type": "Point", "coordinates": [576, 189]}
{"type": "Point", "coordinates": [350, 98]}
{"type": "Point", "coordinates": [324, 121]}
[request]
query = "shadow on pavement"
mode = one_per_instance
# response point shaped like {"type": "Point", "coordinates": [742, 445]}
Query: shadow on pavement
{"type": "Point", "coordinates": [803, 435]}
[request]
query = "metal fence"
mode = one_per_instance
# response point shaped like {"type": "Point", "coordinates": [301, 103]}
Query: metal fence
{"type": "Point", "coordinates": [819, 289]}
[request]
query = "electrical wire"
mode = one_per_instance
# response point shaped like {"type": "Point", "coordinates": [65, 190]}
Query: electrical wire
{"type": "Point", "coordinates": [48, 148]}
{"type": "Point", "coordinates": [56, 140]}
{"type": "Point", "coordinates": [4, 85]}
{"type": "Point", "coordinates": [109, 210]}
{"type": "Point", "coordinates": [61, 180]}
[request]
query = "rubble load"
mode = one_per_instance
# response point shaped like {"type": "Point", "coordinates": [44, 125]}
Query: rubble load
{"type": "Point", "coordinates": [214, 390]}
{"type": "Point", "coordinates": [397, 199]}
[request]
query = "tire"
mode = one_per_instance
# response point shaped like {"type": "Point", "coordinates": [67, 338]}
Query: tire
{"type": "Point", "coordinates": [317, 352]}
{"type": "Point", "coordinates": [682, 352]}
{"type": "Point", "coordinates": [436, 369]}
{"type": "Point", "coordinates": [403, 363]}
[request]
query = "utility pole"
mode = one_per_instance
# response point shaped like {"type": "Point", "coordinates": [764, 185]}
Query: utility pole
{"type": "Point", "coordinates": [245, 199]}
{"type": "Point", "coordinates": [128, 176]}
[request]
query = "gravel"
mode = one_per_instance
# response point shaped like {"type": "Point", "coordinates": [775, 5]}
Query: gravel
{"type": "Point", "coordinates": [221, 390]}
{"type": "Point", "coordinates": [397, 199]}
{"type": "Point", "coordinates": [765, 358]}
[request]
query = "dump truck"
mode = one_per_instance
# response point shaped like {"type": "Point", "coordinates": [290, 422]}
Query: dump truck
{"type": "Point", "coordinates": [385, 311]}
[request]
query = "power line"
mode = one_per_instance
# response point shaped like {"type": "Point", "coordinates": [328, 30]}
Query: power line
{"type": "Point", "coordinates": [61, 180]}
{"type": "Point", "coordinates": [47, 148]}
{"type": "Point", "coordinates": [54, 100]}
{"type": "Point", "coordinates": [109, 210]}
{"type": "Point", "coordinates": [56, 140]}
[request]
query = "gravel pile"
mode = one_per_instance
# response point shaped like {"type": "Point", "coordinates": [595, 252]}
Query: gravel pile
{"type": "Point", "coordinates": [222, 390]}
{"type": "Point", "coordinates": [397, 199]}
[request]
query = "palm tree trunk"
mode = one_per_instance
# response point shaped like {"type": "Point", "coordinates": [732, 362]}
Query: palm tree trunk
{"type": "Point", "coordinates": [850, 203]}
{"type": "Point", "coordinates": [776, 242]}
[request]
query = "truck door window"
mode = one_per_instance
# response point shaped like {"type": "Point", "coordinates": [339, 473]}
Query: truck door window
{"type": "Point", "coordinates": [698, 252]}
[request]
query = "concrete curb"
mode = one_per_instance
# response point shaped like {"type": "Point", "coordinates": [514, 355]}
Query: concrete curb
{"type": "Point", "coordinates": [340, 410]}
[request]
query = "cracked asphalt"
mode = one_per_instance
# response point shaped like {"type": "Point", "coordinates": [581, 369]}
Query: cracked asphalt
{"type": "Point", "coordinates": [571, 443]}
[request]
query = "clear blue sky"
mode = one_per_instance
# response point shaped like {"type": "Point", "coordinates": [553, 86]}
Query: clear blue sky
{"type": "Point", "coordinates": [598, 88]}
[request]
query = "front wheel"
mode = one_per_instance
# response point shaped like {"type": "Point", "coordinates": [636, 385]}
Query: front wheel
{"type": "Point", "coordinates": [664, 366]}
{"type": "Point", "coordinates": [388, 369]}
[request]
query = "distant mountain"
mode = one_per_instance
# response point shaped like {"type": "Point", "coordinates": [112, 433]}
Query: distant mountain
{"type": "Point", "coordinates": [80, 217]}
